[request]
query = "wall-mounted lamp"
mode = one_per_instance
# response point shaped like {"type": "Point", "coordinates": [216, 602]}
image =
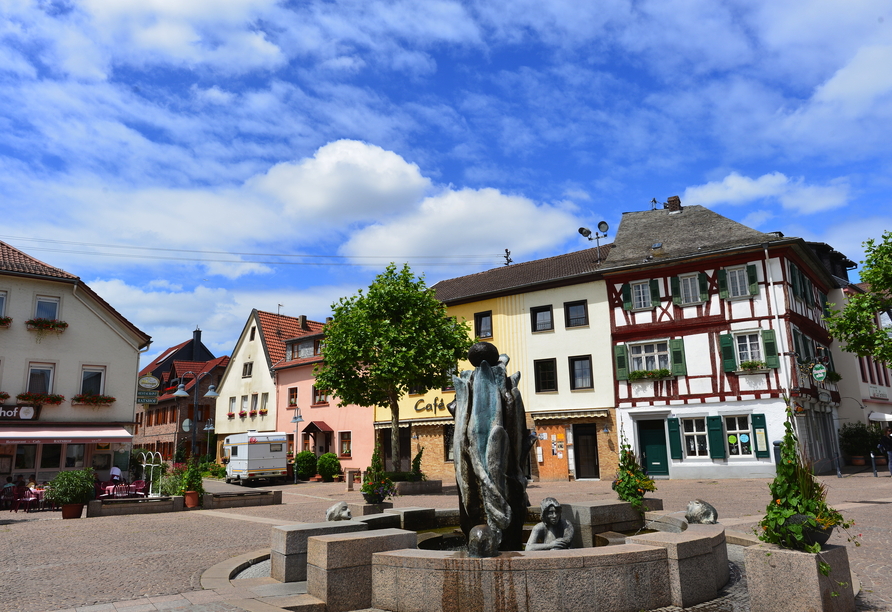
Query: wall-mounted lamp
{"type": "Point", "coordinates": [606, 430]}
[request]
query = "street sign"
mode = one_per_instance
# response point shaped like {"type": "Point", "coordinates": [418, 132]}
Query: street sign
{"type": "Point", "coordinates": [141, 393]}
{"type": "Point", "coordinates": [147, 400]}
{"type": "Point", "coordinates": [819, 372]}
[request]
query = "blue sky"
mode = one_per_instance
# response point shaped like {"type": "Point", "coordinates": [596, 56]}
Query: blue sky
{"type": "Point", "coordinates": [297, 148]}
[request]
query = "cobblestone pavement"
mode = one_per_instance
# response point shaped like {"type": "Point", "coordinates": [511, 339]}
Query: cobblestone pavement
{"type": "Point", "coordinates": [140, 563]}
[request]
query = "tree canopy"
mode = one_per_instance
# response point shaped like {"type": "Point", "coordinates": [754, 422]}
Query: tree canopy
{"type": "Point", "coordinates": [855, 325]}
{"type": "Point", "coordinates": [392, 338]}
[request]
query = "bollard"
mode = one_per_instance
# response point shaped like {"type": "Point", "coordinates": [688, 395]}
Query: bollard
{"type": "Point", "coordinates": [873, 464]}
{"type": "Point", "coordinates": [777, 457]}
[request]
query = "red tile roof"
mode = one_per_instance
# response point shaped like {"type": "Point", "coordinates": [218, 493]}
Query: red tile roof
{"type": "Point", "coordinates": [275, 329]}
{"type": "Point", "coordinates": [196, 367]}
{"type": "Point", "coordinates": [163, 356]}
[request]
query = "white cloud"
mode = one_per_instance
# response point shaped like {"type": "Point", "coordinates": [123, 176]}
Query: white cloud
{"type": "Point", "coordinates": [792, 194]}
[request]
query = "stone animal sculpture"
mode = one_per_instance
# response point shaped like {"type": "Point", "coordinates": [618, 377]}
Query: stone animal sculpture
{"type": "Point", "coordinates": [554, 532]}
{"type": "Point", "coordinates": [491, 445]}
{"type": "Point", "coordinates": [701, 512]}
{"type": "Point", "coordinates": [338, 512]}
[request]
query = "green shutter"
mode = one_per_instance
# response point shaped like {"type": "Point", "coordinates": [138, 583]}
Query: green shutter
{"type": "Point", "coordinates": [674, 439]}
{"type": "Point", "coordinates": [729, 355]}
{"type": "Point", "coordinates": [797, 345]}
{"type": "Point", "coordinates": [704, 286]}
{"type": "Point", "coordinates": [627, 296]}
{"type": "Point", "coordinates": [676, 290]}
{"type": "Point", "coordinates": [772, 360]}
{"type": "Point", "coordinates": [654, 292]}
{"type": "Point", "coordinates": [825, 306]}
{"type": "Point", "coordinates": [753, 278]}
{"type": "Point", "coordinates": [759, 423]}
{"type": "Point", "coordinates": [797, 283]}
{"type": "Point", "coordinates": [716, 437]}
{"type": "Point", "coordinates": [809, 293]}
{"type": "Point", "coordinates": [676, 352]}
{"type": "Point", "coordinates": [622, 366]}
{"type": "Point", "coordinates": [723, 284]}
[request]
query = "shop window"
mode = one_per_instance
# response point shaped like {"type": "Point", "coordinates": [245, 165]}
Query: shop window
{"type": "Point", "coordinates": [738, 435]}
{"type": "Point", "coordinates": [483, 324]}
{"type": "Point", "coordinates": [448, 440]}
{"type": "Point", "coordinates": [40, 378]}
{"type": "Point", "coordinates": [545, 372]}
{"type": "Point", "coordinates": [92, 379]}
{"type": "Point", "coordinates": [51, 457]}
{"type": "Point", "coordinates": [25, 456]}
{"type": "Point", "coordinates": [581, 372]}
{"type": "Point", "coordinates": [47, 307]}
{"type": "Point", "coordinates": [74, 456]}
{"type": "Point", "coordinates": [247, 369]}
{"type": "Point", "coordinates": [576, 314]}
{"type": "Point", "coordinates": [345, 443]}
{"type": "Point", "coordinates": [541, 318]}
{"type": "Point", "coordinates": [695, 438]}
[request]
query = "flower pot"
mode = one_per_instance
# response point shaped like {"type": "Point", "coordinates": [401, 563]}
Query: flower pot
{"type": "Point", "coordinates": [372, 498]}
{"type": "Point", "coordinates": [881, 460]}
{"type": "Point", "coordinates": [857, 460]}
{"type": "Point", "coordinates": [191, 498]}
{"type": "Point", "coordinates": [72, 511]}
{"type": "Point", "coordinates": [811, 536]}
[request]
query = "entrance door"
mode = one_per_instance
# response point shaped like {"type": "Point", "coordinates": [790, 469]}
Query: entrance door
{"type": "Point", "coordinates": [652, 442]}
{"type": "Point", "coordinates": [405, 449]}
{"type": "Point", "coordinates": [586, 451]}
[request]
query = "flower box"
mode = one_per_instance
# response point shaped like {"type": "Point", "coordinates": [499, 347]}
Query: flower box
{"type": "Point", "coordinates": [243, 414]}
{"type": "Point", "coordinates": [263, 411]}
{"type": "Point", "coordinates": [639, 375]}
{"type": "Point", "coordinates": [93, 400]}
{"type": "Point", "coordinates": [253, 413]}
{"type": "Point", "coordinates": [5, 322]}
{"type": "Point", "coordinates": [3, 396]}
{"type": "Point", "coordinates": [44, 326]}
{"type": "Point", "coordinates": [231, 415]}
{"type": "Point", "coordinates": [40, 399]}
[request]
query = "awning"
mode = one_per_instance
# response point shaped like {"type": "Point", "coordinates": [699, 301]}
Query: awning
{"type": "Point", "coordinates": [63, 435]}
{"type": "Point", "coordinates": [879, 416]}
{"type": "Point", "coordinates": [409, 423]}
{"type": "Point", "coordinates": [569, 414]}
{"type": "Point", "coordinates": [316, 427]}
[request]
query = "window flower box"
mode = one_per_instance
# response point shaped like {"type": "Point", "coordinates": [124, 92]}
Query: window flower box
{"type": "Point", "coordinates": [45, 326]}
{"type": "Point", "coordinates": [3, 396]}
{"type": "Point", "coordinates": [263, 411]}
{"type": "Point", "coordinates": [753, 366]}
{"type": "Point", "coordinates": [40, 399]}
{"type": "Point", "coordinates": [89, 399]}
{"type": "Point", "coordinates": [243, 414]}
{"type": "Point", "coordinates": [253, 413]}
{"type": "Point", "coordinates": [5, 322]}
{"type": "Point", "coordinates": [231, 415]}
{"type": "Point", "coordinates": [639, 375]}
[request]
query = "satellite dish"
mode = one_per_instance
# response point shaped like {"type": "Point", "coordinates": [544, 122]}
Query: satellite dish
{"type": "Point", "coordinates": [585, 232]}
{"type": "Point", "coordinates": [603, 227]}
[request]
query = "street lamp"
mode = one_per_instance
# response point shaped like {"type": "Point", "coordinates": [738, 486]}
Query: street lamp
{"type": "Point", "coordinates": [296, 419]}
{"type": "Point", "coordinates": [181, 392]}
{"type": "Point", "coordinates": [209, 427]}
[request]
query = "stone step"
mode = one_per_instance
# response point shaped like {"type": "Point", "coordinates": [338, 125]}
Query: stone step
{"type": "Point", "coordinates": [300, 603]}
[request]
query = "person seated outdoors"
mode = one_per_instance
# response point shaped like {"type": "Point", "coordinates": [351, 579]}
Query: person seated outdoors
{"type": "Point", "coordinates": [32, 481]}
{"type": "Point", "coordinates": [20, 481]}
{"type": "Point", "coordinates": [7, 495]}
{"type": "Point", "coordinates": [115, 476]}
{"type": "Point", "coordinates": [553, 533]}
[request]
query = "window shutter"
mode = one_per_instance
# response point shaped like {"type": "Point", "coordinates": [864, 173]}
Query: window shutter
{"type": "Point", "coordinates": [729, 356]}
{"type": "Point", "coordinates": [772, 360]}
{"type": "Point", "coordinates": [676, 290]}
{"type": "Point", "coordinates": [704, 286]}
{"type": "Point", "coordinates": [752, 276]}
{"type": "Point", "coordinates": [674, 439]}
{"type": "Point", "coordinates": [627, 296]}
{"type": "Point", "coordinates": [825, 306]}
{"type": "Point", "coordinates": [716, 437]}
{"type": "Point", "coordinates": [723, 284]}
{"type": "Point", "coordinates": [654, 292]}
{"type": "Point", "coordinates": [759, 423]}
{"type": "Point", "coordinates": [622, 367]}
{"type": "Point", "coordinates": [794, 278]}
{"type": "Point", "coordinates": [809, 292]}
{"type": "Point", "coordinates": [676, 347]}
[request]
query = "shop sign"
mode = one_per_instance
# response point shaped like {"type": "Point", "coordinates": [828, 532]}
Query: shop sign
{"type": "Point", "coordinates": [877, 392]}
{"type": "Point", "coordinates": [436, 405]}
{"type": "Point", "coordinates": [819, 372]}
{"type": "Point", "coordinates": [19, 413]}
{"type": "Point", "coordinates": [146, 397]}
{"type": "Point", "coordinates": [148, 382]}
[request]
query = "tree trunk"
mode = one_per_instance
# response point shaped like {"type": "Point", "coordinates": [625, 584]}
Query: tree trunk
{"type": "Point", "coordinates": [395, 433]}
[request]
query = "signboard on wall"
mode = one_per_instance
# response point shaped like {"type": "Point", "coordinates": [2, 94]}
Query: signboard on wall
{"type": "Point", "coordinates": [19, 413]}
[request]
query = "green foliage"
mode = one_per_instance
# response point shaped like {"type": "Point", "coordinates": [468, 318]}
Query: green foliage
{"type": "Point", "coordinates": [649, 374]}
{"type": "Point", "coordinates": [395, 336]}
{"type": "Point", "coordinates": [191, 480]}
{"type": "Point", "coordinates": [796, 493]}
{"type": "Point", "coordinates": [858, 439]}
{"type": "Point", "coordinates": [179, 455]}
{"type": "Point", "coordinates": [631, 482]}
{"type": "Point", "coordinates": [72, 487]}
{"type": "Point", "coordinates": [752, 365]}
{"type": "Point", "coordinates": [855, 326]}
{"type": "Point", "coordinates": [416, 473]}
{"type": "Point", "coordinates": [305, 465]}
{"type": "Point", "coordinates": [327, 466]}
{"type": "Point", "coordinates": [376, 481]}
{"type": "Point", "coordinates": [211, 469]}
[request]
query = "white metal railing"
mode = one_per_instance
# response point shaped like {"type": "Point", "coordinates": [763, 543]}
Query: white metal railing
{"type": "Point", "coordinates": [152, 464]}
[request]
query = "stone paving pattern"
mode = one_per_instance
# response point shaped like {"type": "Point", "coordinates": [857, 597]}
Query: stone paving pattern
{"type": "Point", "coordinates": [141, 563]}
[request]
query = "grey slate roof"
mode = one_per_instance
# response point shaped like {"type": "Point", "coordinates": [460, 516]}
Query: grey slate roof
{"type": "Point", "coordinates": [691, 231]}
{"type": "Point", "coordinates": [560, 269]}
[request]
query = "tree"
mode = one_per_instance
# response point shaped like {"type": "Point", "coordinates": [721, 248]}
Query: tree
{"type": "Point", "coordinates": [856, 324]}
{"type": "Point", "coordinates": [394, 337]}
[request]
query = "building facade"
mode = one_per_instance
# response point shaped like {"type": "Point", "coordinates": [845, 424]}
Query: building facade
{"type": "Point", "coordinates": [74, 366]}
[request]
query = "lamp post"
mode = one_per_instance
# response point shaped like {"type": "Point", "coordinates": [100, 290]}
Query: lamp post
{"type": "Point", "coordinates": [181, 392]}
{"type": "Point", "coordinates": [209, 427]}
{"type": "Point", "coordinates": [296, 419]}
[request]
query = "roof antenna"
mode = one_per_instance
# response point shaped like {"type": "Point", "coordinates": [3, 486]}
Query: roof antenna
{"type": "Point", "coordinates": [601, 233]}
{"type": "Point", "coordinates": [508, 259]}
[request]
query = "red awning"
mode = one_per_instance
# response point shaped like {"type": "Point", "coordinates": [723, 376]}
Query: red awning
{"type": "Point", "coordinates": [316, 426]}
{"type": "Point", "coordinates": [63, 435]}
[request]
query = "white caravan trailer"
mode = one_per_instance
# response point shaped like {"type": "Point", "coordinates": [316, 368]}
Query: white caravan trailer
{"type": "Point", "coordinates": [253, 456]}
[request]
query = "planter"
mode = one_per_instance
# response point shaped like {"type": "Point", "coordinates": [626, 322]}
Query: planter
{"type": "Point", "coordinates": [881, 460]}
{"type": "Point", "coordinates": [371, 498]}
{"type": "Point", "coordinates": [72, 511]}
{"type": "Point", "coordinates": [857, 460]}
{"type": "Point", "coordinates": [811, 536]}
{"type": "Point", "coordinates": [191, 499]}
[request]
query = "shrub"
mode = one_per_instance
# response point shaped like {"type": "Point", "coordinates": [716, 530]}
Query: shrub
{"type": "Point", "coordinates": [376, 481]}
{"type": "Point", "coordinates": [327, 466]}
{"type": "Point", "coordinates": [305, 465]}
{"type": "Point", "coordinates": [72, 487]}
{"type": "Point", "coordinates": [191, 480]}
{"type": "Point", "coordinates": [172, 479]}
{"type": "Point", "coordinates": [858, 439]}
{"type": "Point", "coordinates": [631, 482]}
{"type": "Point", "coordinates": [211, 469]}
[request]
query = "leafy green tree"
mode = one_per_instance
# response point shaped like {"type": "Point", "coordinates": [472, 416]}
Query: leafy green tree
{"type": "Point", "coordinates": [856, 324]}
{"type": "Point", "coordinates": [394, 337]}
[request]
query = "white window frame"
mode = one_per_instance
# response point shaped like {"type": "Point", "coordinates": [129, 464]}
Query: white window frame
{"type": "Point", "coordinates": [689, 288]}
{"type": "Point", "coordinates": [736, 431]}
{"type": "Point", "coordinates": [254, 400]}
{"type": "Point", "coordinates": [640, 359]}
{"type": "Point", "coordinates": [641, 298]}
{"type": "Point", "coordinates": [264, 401]}
{"type": "Point", "coordinates": [738, 282]}
{"type": "Point", "coordinates": [47, 299]}
{"type": "Point", "coordinates": [245, 403]}
{"type": "Point", "coordinates": [574, 379]}
{"type": "Point", "coordinates": [694, 436]}
{"type": "Point", "coordinates": [41, 366]}
{"type": "Point", "coordinates": [232, 404]}
{"type": "Point", "coordinates": [750, 354]}
{"type": "Point", "coordinates": [3, 295]}
{"type": "Point", "coordinates": [94, 369]}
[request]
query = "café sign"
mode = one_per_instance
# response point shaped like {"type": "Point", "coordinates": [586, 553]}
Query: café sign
{"type": "Point", "coordinates": [435, 406]}
{"type": "Point", "coordinates": [19, 413]}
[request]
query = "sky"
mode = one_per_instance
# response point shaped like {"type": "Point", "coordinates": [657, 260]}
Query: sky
{"type": "Point", "coordinates": [193, 160]}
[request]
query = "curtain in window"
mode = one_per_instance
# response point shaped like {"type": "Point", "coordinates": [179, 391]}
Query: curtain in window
{"type": "Point", "coordinates": [39, 381]}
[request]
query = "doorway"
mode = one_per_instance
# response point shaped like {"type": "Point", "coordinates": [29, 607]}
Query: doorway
{"type": "Point", "coordinates": [586, 451]}
{"type": "Point", "coordinates": [652, 443]}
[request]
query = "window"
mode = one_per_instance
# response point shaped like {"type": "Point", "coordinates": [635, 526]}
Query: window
{"type": "Point", "coordinates": [545, 372]}
{"type": "Point", "coordinates": [74, 455]}
{"type": "Point", "coordinates": [483, 324]}
{"type": "Point", "coordinates": [345, 444]}
{"type": "Point", "coordinates": [51, 457]}
{"type": "Point", "coordinates": [253, 331]}
{"type": "Point", "coordinates": [448, 440]}
{"type": "Point", "coordinates": [25, 456]}
{"type": "Point", "coordinates": [690, 289]}
{"type": "Point", "coordinates": [737, 433]}
{"type": "Point", "coordinates": [641, 295]}
{"type": "Point", "coordinates": [320, 396]}
{"type": "Point", "coordinates": [275, 448]}
{"type": "Point", "coordinates": [47, 307]}
{"type": "Point", "coordinates": [738, 282]}
{"type": "Point", "coordinates": [737, 285]}
{"type": "Point", "coordinates": [264, 400]}
{"type": "Point", "coordinates": [306, 443]}
{"type": "Point", "coordinates": [245, 403]}
{"type": "Point", "coordinates": [576, 314]}
{"type": "Point", "coordinates": [695, 439]}
{"type": "Point", "coordinates": [318, 345]}
{"type": "Point", "coordinates": [2, 303]}
{"type": "Point", "coordinates": [581, 372]}
{"type": "Point", "coordinates": [541, 318]}
{"type": "Point", "coordinates": [232, 404]}
{"type": "Point", "coordinates": [91, 380]}
{"type": "Point", "coordinates": [653, 356]}
{"type": "Point", "coordinates": [292, 396]}
{"type": "Point", "coordinates": [40, 378]}
{"type": "Point", "coordinates": [749, 346]}
{"type": "Point", "coordinates": [254, 400]}
{"type": "Point", "coordinates": [247, 368]}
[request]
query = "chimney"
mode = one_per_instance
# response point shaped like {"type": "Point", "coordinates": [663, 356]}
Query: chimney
{"type": "Point", "coordinates": [196, 342]}
{"type": "Point", "coordinates": [673, 204]}
{"type": "Point", "coordinates": [328, 320]}
{"type": "Point", "coordinates": [302, 319]}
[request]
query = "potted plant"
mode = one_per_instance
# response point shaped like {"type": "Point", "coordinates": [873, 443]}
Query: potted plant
{"type": "Point", "coordinates": [305, 465]}
{"type": "Point", "coordinates": [752, 365]}
{"type": "Point", "coordinates": [327, 466]}
{"type": "Point", "coordinates": [191, 485]}
{"type": "Point", "coordinates": [39, 399]}
{"type": "Point", "coordinates": [856, 442]}
{"type": "Point", "coordinates": [3, 396]}
{"type": "Point", "coordinates": [5, 321]}
{"type": "Point", "coordinates": [72, 489]}
{"type": "Point", "coordinates": [376, 486]}
{"type": "Point", "coordinates": [252, 414]}
{"type": "Point", "coordinates": [93, 399]}
{"type": "Point", "coordinates": [44, 326]}
{"type": "Point", "coordinates": [649, 374]}
{"type": "Point", "coordinates": [263, 411]}
{"type": "Point", "coordinates": [231, 415]}
{"type": "Point", "coordinates": [631, 482]}
{"type": "Point", "coordinates": [243, 413]}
